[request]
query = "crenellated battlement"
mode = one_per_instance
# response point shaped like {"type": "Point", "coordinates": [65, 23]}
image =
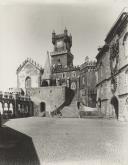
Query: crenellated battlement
{"type": "Point", "coordinates": [88, 64]}
{"type": "Point", "coordinates": [63, 69]}
{"type": "Point", "coordinates": [12, 96]}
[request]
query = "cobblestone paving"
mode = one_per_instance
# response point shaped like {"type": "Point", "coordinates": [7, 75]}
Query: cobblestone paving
{"type": "Point", "coordinates": [71, 141]}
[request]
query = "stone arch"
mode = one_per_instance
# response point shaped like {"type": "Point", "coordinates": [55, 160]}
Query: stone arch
{"type": "Point", "coordinates": [11, 108]}
{"type": "Point", "coordinates": [28, 82]}
{"type": "Point", "coordinates": [1, 108]}
{"type": "Point", "coordinates": [44, 83]}
{"type": "Point", "coordinates": [5, 106]}
{"type": "Point", "coordinates": [115, 103]}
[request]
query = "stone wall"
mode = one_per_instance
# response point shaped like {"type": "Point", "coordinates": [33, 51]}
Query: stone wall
{"type": "Point", "coordinates": [62, 59]}
{"type": "Point", "coordinates": [53, 97]}
{"type": "Point", "coordinates": [103, 66]}
{"type": "Point", "coordinates": [123, 58]}
{"type": "Point", "coordinates": [112, 66]}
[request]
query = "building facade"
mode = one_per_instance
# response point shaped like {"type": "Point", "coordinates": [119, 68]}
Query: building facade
{"type": "Point", "coordinates": [112, 71]}
{"type": "Point", "coordinates": [60, 82]}
{"type": "Point", "coordinates": [88, 83]}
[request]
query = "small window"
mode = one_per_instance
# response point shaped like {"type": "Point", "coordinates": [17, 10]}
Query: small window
{"type": "Point", "coordinates": [73, 74]}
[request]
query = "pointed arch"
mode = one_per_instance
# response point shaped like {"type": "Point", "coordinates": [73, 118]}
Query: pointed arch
{"type": "Point", "coordinates": [11, 107]}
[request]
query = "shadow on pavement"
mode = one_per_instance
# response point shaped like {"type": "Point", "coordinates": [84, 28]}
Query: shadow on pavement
{"type": "Point", "coordinates": [16, 148]}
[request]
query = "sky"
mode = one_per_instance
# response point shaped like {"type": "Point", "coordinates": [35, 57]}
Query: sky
{"type": "Point", "coordinates": [26, 29]}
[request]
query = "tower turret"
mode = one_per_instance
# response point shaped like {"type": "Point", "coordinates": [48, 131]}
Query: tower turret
{"type": "Point", "coordinates": [62, 49]}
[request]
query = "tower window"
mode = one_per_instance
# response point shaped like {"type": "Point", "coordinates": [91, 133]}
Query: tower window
{"type": "Point", "coordinates": [73, 74]}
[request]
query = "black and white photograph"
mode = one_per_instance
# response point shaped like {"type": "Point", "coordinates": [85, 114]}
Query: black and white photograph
{"type": "Point", "coordinates": [63, 82]}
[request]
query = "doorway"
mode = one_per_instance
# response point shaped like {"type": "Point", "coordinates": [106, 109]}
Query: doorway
{"type": "Point", "coordinates": [115, 103]}
{"type": "Point", "coordinates": [42, 106]}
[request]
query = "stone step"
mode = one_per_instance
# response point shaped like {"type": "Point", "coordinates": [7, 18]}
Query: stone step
{"type": "Point", "coordinates": [69, 111]}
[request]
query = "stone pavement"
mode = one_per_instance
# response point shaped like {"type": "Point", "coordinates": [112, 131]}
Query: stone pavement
{"type": "Point", "coordinates": [63, 141]}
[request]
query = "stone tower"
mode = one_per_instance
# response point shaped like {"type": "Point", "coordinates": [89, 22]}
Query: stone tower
{"type": "Point", "coordinates": [61, 56]}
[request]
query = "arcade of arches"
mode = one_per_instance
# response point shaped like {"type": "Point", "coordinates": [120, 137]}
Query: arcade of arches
{"type": "Point", "coordinates": [16, 107]}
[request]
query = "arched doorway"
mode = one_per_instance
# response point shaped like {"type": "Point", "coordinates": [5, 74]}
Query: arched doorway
{"type": "Point", "coordinates": [44, 83]}
{"type": "Point", "coordinates": [115, 103]}
{"type": "Point", "coordinates": [42, 106]}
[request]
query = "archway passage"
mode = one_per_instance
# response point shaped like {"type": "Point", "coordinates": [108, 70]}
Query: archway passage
{"type": "Point", "coordinates": [44, 83]}
{"type": "Point", "coordinates": [114, 102]}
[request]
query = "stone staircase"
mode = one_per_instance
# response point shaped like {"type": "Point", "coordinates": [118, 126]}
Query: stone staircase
{"type": "Point", "coordinates": [70, 111]}
{"type": "Point", "coordinates": [88, 112]}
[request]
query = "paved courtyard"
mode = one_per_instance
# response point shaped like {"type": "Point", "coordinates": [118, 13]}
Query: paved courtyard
{"type": "Point", "coordinates": [45, 141]}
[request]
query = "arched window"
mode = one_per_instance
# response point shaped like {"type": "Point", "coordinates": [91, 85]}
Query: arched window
{"type": "Point", "coordinates": [73, 74]}
{"type": "Point", "coordinates": [125, 43]}
{"type": "Point", "coordinates": [83, 80]}
{"type": "Point", "coordinates": [28, 82]}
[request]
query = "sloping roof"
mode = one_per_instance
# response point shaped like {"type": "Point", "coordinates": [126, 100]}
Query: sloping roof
{"type": "Point", "coordinates": [29, 60]}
